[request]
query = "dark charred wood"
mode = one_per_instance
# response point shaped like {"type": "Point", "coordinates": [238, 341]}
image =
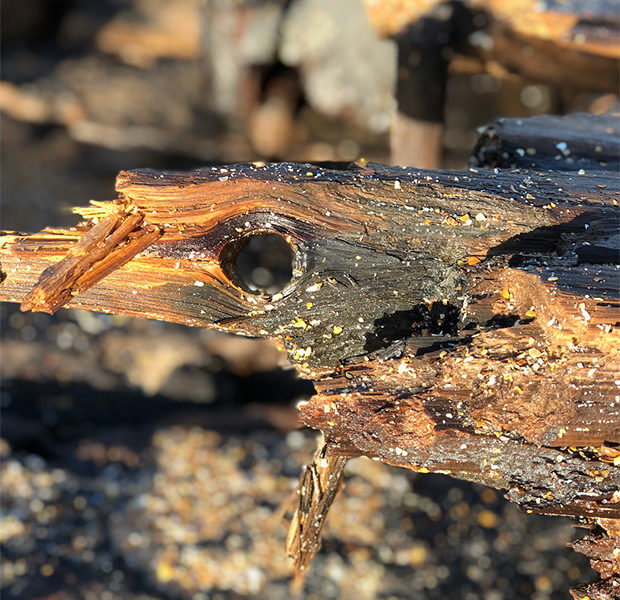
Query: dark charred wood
{"type": "Point", "coordinates": [547, 143]}
{"type": "Point", "coordinates": [602, 546]}
{"type": "Point", "coordinates": [606, 589]}
{"type": "Point", "coordinates": [450, 320]}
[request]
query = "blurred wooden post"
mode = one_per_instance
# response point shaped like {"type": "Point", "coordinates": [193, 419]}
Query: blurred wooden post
{"type": "Point", "coordinates": [416, 137]}
{"type": "Point", "coordinates": [416, 143]}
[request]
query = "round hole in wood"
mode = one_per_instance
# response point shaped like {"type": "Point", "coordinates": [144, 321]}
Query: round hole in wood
{"type": "Point", "coordinates": [261, 263]}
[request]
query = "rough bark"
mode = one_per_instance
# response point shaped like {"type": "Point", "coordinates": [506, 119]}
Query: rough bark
{"type": "Point", "coordinates": [452, 321]}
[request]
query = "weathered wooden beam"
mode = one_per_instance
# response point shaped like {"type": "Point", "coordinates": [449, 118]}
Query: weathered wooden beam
{"type": "Point", "coordinates": [452, 321]}
{"type": "Point", "coordinates": [434, 260]}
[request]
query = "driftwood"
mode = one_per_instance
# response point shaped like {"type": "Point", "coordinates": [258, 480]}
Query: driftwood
{"type": "Point", "coordinates": [452, 321]}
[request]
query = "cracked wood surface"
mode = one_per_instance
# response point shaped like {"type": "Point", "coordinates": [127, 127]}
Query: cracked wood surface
{"type": "Point", "coordinates": [452, 321]}
{"type": "Point", "coordinates": [447, 303]}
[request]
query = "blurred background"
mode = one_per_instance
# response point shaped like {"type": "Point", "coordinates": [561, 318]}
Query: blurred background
{"type": "Point", "coordinates": [145, 460]}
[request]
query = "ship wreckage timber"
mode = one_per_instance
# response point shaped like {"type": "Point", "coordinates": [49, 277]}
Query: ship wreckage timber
{"type": "Point", "coordinates": [460, 322]}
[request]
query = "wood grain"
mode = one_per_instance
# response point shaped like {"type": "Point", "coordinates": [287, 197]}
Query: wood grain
{"type": "Point", "coordinates": [450, 320]}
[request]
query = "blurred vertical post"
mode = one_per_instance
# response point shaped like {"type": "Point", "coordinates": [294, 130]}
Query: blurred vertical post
{"type": "Point", "coordinates": [425, 33]}
{"type": "Point", "coordinates": [417, 131]}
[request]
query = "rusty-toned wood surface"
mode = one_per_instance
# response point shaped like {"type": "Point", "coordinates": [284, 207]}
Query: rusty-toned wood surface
{"type": "Point", "coordinates": [452, 321]}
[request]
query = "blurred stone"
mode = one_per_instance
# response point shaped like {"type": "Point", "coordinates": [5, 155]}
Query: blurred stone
{"type": "Point", "coordinates": [148, 359]}
{"type": "Point", "coordinates": [346, 69]}
{"type": "Point", "coordinates": [154, 30]}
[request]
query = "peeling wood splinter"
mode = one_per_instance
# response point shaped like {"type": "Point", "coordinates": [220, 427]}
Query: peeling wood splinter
{"type": "Point", "coordinates": [317, 489]}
